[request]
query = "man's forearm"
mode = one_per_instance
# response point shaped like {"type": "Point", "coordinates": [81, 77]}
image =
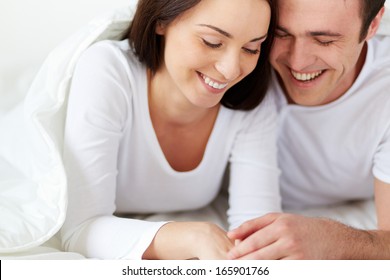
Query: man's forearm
{"type": "Point", "coordinates": [362, 244]}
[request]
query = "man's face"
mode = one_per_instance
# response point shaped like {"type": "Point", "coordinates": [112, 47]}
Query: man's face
{"type": "Point", "coordinates": [317, 52]}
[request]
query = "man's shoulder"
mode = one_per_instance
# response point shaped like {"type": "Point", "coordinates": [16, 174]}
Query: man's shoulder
{"type": "Point", "coordinates": [379, 49]}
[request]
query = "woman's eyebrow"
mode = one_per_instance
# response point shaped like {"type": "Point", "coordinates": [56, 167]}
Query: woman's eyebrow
{"type": "Point", "coordinates": [224, 33]}
{"type": "Point", "coordinates": [259, 38]}
{"type": "Point", "coordinates": [227, 34]}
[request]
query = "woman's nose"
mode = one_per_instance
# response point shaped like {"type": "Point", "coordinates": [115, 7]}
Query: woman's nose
{"type": "Point", "coordinates": [229, 65]}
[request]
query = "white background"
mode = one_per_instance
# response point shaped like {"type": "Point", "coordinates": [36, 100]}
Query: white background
{"type": "Point", "coordinates": [30, 29]}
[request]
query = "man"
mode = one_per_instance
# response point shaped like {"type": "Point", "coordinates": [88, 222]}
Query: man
{"type": "Point", "coordinates": [332, 79]}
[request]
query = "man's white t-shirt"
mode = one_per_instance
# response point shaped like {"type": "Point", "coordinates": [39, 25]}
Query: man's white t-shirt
{"type": "Point", "coordinates": [330, 154]}
{"type": "Point", "coordinates": [114, 161]}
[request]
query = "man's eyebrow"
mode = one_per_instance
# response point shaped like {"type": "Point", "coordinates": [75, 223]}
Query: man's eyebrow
{"type": "Point", "coordinates": [313, 33]}
{"type": "Point", "coordinates": [285, 30]}
{"type": "Point", "coordinates": [228, 35]}
{"type": "Point", "coordinates": [324, 33]}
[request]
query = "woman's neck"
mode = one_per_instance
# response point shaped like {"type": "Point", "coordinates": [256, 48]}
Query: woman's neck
{"type": "Point", "coordinates": [168, 103]}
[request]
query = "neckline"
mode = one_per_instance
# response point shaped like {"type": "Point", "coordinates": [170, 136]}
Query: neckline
{"type": "Point", "coordinates": [153, 140]}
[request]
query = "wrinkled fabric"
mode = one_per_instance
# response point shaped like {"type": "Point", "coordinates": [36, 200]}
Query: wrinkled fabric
{"type": "Point", "coordinates": [33, 187]}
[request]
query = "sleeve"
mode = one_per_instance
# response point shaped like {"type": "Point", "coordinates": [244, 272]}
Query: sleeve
{"type": "Point", "coordinates": [254, 174]}
{"type": "Point", "coordinates": [381, 166]}
{"type": "Point", "coordinates": [98, 110]}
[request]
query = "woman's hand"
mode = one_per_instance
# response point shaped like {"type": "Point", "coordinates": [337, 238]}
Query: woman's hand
{"type": "Point", "coordinates": [211, 242]}
{"type": "Point", "coordinates": [189, 240]}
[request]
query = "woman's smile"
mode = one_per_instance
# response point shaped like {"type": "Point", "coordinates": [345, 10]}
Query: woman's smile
{"type": "Point", "coordinates": [212, 85]}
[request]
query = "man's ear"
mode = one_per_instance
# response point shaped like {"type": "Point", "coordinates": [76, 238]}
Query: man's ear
{"type": "Point", "coordinates": [375, 24]}
{"type": "Point", "coordinates": [160, 28]}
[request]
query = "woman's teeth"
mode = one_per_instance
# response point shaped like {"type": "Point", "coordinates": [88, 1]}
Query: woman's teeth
{"type": "Point", "coordinates": [212, 83]}
{"type": "Point", "coordinates": [306, 76]}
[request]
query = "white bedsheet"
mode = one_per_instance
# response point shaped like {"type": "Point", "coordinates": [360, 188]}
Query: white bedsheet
{"type": "Point", "coordinates": [358, 214]}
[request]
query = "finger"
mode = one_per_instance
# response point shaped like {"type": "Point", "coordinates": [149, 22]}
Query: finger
{"type": "Point", "coordinates": [252, 226]}
{"type": "Point", "coordinates": [270, 252]}
{"type": "Point", "coordinates": [258, 240]}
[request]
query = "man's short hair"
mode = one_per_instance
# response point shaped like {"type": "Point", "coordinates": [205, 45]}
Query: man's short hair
{"type": "Point", "coordinates": [369, 10]}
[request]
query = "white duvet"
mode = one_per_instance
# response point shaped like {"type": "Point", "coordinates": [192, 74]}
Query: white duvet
{"type": "Point", "coordinates": [33, 196]}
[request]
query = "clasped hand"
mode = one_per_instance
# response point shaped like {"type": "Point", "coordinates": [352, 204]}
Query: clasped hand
{"type": "Point", "coordinates": [287, 236]}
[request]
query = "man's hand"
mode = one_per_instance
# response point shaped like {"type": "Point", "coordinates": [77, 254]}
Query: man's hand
{"type": "Point", "coordinates": [288, 236]}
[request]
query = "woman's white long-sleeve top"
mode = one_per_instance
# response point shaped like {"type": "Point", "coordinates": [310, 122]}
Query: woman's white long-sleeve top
{"type": "Point", "coordinates": [115, 164]}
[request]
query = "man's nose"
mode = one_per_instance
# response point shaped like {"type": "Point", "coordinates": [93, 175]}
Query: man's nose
{"type": "Point", "coordinates": [300, 55]}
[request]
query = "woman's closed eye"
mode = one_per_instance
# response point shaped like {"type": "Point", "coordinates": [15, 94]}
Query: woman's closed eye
{"type": "Point", "coordinates": [211, 44]}
{"type": "Point", "coordinates": [251, 51]}
{"type": "Point", "coordinates": [218, 45]}
{"type": "Point", "coordinates": [253, 47]}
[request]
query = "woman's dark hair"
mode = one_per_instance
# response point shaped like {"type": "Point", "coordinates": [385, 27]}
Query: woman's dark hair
{"type": "Point", "coordinates": [148, 47]}
{"type": "Point", "coordinates": [369, 9]}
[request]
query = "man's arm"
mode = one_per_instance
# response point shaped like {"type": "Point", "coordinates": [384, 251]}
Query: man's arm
{"type": "Point", "coordinates": [382, 203]}
{"type": "Point", "coordinates": [287, 236]}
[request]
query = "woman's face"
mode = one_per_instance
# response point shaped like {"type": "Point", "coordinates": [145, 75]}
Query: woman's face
{"type": "Point", "coordinates": [211, 47]}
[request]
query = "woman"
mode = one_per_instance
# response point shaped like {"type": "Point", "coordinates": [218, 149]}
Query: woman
{"type": "Point", "coordinates": [154, 120]}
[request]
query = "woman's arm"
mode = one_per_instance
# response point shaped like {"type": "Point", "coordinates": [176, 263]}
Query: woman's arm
{"type": "Point", "coordinates": [97, 114]}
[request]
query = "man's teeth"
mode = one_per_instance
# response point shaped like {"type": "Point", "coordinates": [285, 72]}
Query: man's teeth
{"type": "Point", "coordinates": [213, 84]}
{"type": "Point", "coordinates": [306, 76]}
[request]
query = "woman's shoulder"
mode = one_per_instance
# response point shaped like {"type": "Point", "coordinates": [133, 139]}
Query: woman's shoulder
{"type": "Point", "coordinates": [113, 65]}
{"type": "Point", "coordinates": [111, 46]}
{"type": "Point", "coordinates": [112, 52]}
{"type": "Point", "coordinates": [105, 47]}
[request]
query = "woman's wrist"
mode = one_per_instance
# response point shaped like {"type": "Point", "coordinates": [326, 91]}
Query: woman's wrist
{"type": "Point", "coordinates": [187, 240]}
{"type": "Point", "coordinates": [175, 240]}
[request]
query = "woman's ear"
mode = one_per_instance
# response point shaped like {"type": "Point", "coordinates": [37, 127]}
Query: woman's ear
{"type": "Point", "coordinates": [160, 28]}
